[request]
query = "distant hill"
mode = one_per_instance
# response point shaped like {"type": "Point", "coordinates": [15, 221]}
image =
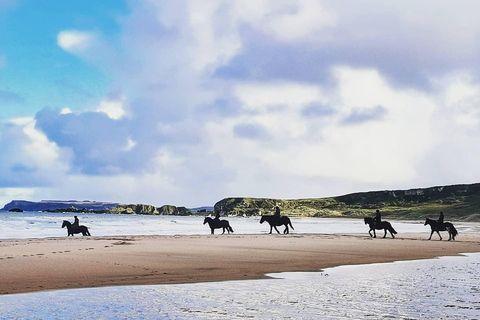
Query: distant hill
{"type": "Point", "coordinates": [46, 205]}
{"type": "Point", "coordinates": [100, 207]}
{"type": "Point", "coordinates": [458, 202]}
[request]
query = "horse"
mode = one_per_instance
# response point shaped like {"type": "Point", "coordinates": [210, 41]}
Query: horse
{"type": "Point", "coordinates": [71, 230]}
{"type": "Point", "coordinates": [385, 225]}
{"type": "Point", "coordinates": [275, 221]}
{"type": "Point", "coordinates": [446, 226]}
{"type": "Point", "coordinates": [217, 224]}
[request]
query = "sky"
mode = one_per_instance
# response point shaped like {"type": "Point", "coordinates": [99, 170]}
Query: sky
{"type": "Point", "coordinates": [189, 102]}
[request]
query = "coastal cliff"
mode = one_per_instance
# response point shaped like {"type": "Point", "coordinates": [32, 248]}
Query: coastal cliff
{"type": "Point", "coordinates": [460, 202]}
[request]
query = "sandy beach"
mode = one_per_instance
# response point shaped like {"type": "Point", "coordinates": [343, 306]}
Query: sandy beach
{"type": "Point", "coordinates": [29, 265]}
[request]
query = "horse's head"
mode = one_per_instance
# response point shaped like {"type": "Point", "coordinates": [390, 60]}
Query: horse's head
{"type": "Point", "coordinates": [262, 220]}
{"type": "Point", "coordinates": [65, 223]}
{"type": "Point", "coordinates": [426, 221]}
{"type": "Point", "coordinates": [205, 220]}
{"type": "Point", "coordinates": [367, 220]}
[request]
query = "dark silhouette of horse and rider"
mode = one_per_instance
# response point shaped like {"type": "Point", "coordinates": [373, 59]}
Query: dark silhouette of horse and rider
{"type": "Point", "coordinates": [216, 223]}
{"type": "Point", "coordinates": [439, 225]}
{"type": "Point", "coordinates": [377, 224]}
{"type": "Point", "coordinates": [75, 227]}
{"type": "Point", "coordinates": [277, 220]}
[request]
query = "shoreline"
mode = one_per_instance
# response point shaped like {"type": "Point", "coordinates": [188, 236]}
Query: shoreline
{"type": "Point", "coordinates": [30, 265]}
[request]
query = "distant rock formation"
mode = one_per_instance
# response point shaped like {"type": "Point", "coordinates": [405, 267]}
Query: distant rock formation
{"type": "Point", "coordinates": [173, 210]}
{"type": "Point", "coordinates": [134, 209]}
{"type": "Point", "coordinates": [95, 207]}
{"type": "Point", "coordinates": [59, 205]}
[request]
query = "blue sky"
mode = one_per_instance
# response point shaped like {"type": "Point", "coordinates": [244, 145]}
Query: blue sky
{"type": "Point", "coordinates": [188, 102]}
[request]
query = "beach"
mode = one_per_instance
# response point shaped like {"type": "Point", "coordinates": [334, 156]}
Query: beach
{"type": "Point", "coordinates": [29, 265]}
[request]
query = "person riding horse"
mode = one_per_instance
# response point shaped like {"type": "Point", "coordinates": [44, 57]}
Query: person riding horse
{"type": "Point", "coordinates": [440, 220]}
{"type": "Point", "coordinates": [378, 218]}
{"type": "Point", "coordinates": [277, 212]}
{"type": "Point", "coordinates": [76, 223]}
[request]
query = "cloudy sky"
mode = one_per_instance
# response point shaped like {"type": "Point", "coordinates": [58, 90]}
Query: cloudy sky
{"type": "Point", "coordinates": [188, 102]}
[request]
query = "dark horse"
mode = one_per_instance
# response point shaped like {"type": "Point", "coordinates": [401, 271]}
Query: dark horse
{"type": "Point", "coordinates": [71, 230]}
{"type": "Point", "coordinates": [217, 224]}
{"type": "Point", "coordinates": [436, 227]}
{"type": "Point", "coordinates": [275, 221]}
{"type": "Point", "coordinates": [385, 225]}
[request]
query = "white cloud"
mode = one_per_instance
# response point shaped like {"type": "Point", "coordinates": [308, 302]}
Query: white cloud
{"type": "Point", "coordinates": [288, 21]}
{"type": "Point", "coordinates": [130, 144]}
{"type": "Point", "coordinates": [29, 156]}
{"type": "Point", "coordinates": [75, 41]}
{"type": "Point", "coordinates": [114, 108]}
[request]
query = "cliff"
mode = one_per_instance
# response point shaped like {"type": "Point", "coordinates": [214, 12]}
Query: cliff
{"type": "Point", "coordinates": [459, 202]}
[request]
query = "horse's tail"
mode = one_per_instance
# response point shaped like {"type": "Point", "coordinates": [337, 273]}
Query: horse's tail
{"type": "Point", "coordinates": [452, 229]}
{"type": "Point", "coordinates": [290, 223]}
{"type": "Point", "coordinates": [390, 228]}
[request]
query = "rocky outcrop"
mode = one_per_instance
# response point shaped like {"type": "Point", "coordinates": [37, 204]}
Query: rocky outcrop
{"type": "Point", "coordinates": [173, 210]}
{"type": "Point", "coordinates": [134, 209]}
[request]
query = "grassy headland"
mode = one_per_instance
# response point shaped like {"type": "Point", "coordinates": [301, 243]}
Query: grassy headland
{"type": "Point", "coordinates": [458, 202]}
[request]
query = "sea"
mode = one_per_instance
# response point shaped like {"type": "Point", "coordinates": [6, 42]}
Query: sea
{"type": "Point", "coordinates": [442, 288]}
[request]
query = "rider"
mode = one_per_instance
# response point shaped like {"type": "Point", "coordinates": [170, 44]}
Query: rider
{"type": "Point", "coordinates": [76, 223]}
{"type": "Point", "coordinates": [277, 212]}
{"type": "Point", "coordinates": [440, 219]}
{"type": "Point", "coordinates": [378, 218]}
{"type": "Point", "coordinates": [217, 216]}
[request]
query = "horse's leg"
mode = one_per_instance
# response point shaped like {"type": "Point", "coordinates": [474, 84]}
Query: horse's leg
{"type": "Point", "coordinates": [276, 229]}
{"type": "Point", "coordinates": [223, 230]}
{"type": "Point", "coordinates": [370, 233]}
{"type": "Point", "coordinates": [212, 230]}
{"type": "Point", "coordinates": [385, 234]}
{"type": "Point", "coordinates": [286, 230]}
{"type": "Point", "coordinates": [374, 233]}
{"type": "Point", "coordinates": [439, 235]}
{"type": "Point", "coordinates": [431, 233]}
{"type": "Point", "coordinates": [271, 229]}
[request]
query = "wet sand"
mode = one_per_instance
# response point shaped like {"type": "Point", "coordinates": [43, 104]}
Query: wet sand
{"type": "Point", "coordinates": [29, 265]}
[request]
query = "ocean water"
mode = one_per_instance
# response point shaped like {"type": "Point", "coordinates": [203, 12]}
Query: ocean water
{"type": "Point", "coordinates": [42, 225]}
{"type": "Point", "coordinates": [444, 288]}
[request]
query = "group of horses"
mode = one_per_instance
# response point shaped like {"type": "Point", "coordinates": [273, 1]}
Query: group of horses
{"type": "Point", "coordinates": [435, 226]}
{"type": "Point", "coordinates": [386, 226]}
{"type": "Point", "coordinates": [276, 221]}
{"type": "Point", "coordinates": [273, 221]}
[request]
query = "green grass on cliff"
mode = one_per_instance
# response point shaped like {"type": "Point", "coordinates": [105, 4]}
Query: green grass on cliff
{"type": "Point", "coordinates": [456, 208]}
